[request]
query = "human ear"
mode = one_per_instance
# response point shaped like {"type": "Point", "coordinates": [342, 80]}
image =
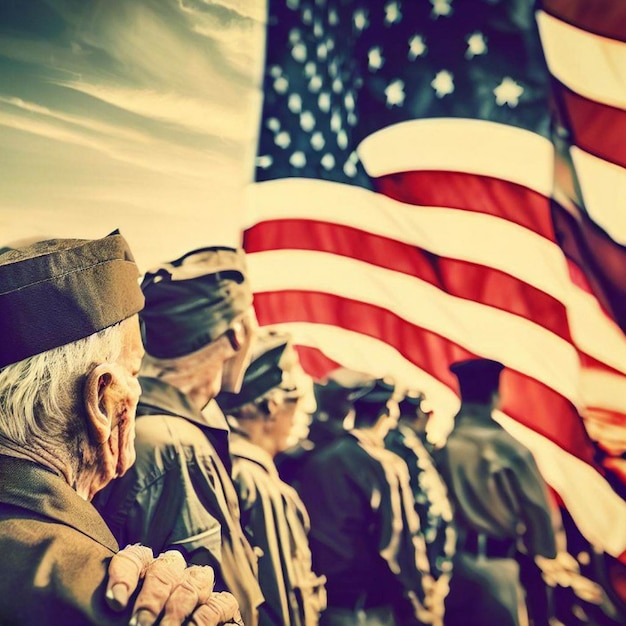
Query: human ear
{"type": "Point", "coordinates": [103, 396]}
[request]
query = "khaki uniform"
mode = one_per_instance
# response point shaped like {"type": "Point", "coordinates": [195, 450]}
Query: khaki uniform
{"type": "Point", "coordinates": [277, 524]}
{"type": "Point", "coordinates": [179, 494]}
{"type": "Point", "coordinates": [501, 504]}
{"type": "Point", "coordinates": [55, 551]}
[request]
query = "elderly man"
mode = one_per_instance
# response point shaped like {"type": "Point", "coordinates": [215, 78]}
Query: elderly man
{"type": "Point", "coordinates": [262, 416]}
{"type": "Point", "coordinates": [69, 357]}
{"type": "Point", "coordinates": [198, 325]}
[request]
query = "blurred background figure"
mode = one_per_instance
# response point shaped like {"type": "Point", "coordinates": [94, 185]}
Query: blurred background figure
{"type": "Point", "coordinates": [501, 505]}
{"type": "Point", "coordinates": [262, 416]}
{"type": "Point", "coordinates": [198, 326]}
{"type": "Point", "coordinates": [430, 494]}
{"type": "Point", "coordinates": [365, 535]}
{"type": "Point", "coordinates": [330, 409]}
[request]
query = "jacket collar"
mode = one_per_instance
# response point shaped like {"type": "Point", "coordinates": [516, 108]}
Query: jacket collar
{"type": "Point", "coordinates": [32, 487]}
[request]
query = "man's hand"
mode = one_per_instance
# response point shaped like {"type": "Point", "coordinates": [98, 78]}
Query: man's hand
{"type": "Point", "coordinates": [169, 590]}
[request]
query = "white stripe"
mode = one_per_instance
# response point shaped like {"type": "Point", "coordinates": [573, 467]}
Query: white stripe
{"type": "Point", "coordinates": [603, 389]}
{"type": "Point", "coordinates": [604, 525]}
{"type": "Point", "coordinates": [603, 186]}
{"type": "Point", "coordinates": [456, 234]}
{"type": "Point", "coordinates": [517, 342]}
{"type": "Point", "coordinates": [591, 65]}
{"type": "Point", "coordinates": [461, 145]}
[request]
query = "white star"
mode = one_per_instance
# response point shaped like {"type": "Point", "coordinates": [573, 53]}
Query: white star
{"type": "Point", "coordinates": [273, 123]}
{"type": "Point", "coordinates": [310, 69]}
{"type": "Point", "coordinates": [318, 29]}
{"type": "Point", "coordinates": [298, 159]}
{"type": "Point", "coordinates": [337, 85]}
{"type": "Point", "coordinates": [307, 16]}
{"type": "Point", "coordinates": [476, 45]}
{"type": "Point", "coordinates": [294, 103]}
{"type": "Point", "coordinates": [417, 47]}
{"type": "Point", "coordinates": [342, 139]}
{"type": "Point", "coordinates": [295, 35]}
{"type": "Point", "coordinates": [322, 51]}
{"type": "Point", "coordinates": [315, 84]}
{"type": "Point", "coordinates": [281, 84]}
{"type": "Point", "coordinates": [443, 83]}
{"type": "Point", "coordinates": [264, 161]}
{"type": "Point", "coordinates": [307, 121]}
{"type": "Point", "coordinates": [349, 169]}
{"type": "Point", "coordinates": [282, 140]}
{"type": "Point", "coordinates": [395, 93]}
{"type": "Point", "coordinates": [317, 140]}
{"type": "Point", "coordinates": [441, 7]}
{"type": "Point", "coordinates": [375, 59]}
{"type": "Point", "coordinates": [298, 52]}
{"type": "Point", "coordinates": [328, 161]}
{"type": "Point", "coordinates": [323, 101]}
{"type": "Point", "coordinates": [392, 13]}
{"type": "Point", "coordinates": [333, 17]}
{"type": "Point", "coordinates": [360, 19]}
{"type": "Point", "coordinates": [508, 92]}
{"type": "Point", "coordinates": [335, 121]}
{"type": "Point", "coordinates": [348, 101]}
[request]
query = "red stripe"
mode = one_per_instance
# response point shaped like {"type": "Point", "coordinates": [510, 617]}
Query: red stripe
{"type": "Point", "coordinates": [458, 278]}
{"type": "Point", "coordinates": [315, 363]}
{"type": "Point", "coordinates": [470, 192]}
{"type": "Point", "coordinates": [526, 400]}
{"type": "Point", "coordinates": [598, 128]}
{"type": "Point", "coordinates": [603, 17]}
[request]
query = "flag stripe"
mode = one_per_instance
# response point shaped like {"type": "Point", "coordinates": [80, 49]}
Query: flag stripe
{"type": "Point", "coordinates": [486, 148]}
{"type": "Point", "coordinates": [603, 17]}
{"type": "Point", "coordinates": [597, 128]}
{"type": "Point", "coordinates": [462, 279]}
{"type": "Point", "coordinates": [501, 245]}
{"type": "Point", "coordinates": [588, 64]}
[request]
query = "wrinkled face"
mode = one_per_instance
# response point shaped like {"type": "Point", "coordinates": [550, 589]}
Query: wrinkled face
{"type": "Point", "coordinates": [241, 337]}
{"type": "Point", "coordinates": [127, 368]}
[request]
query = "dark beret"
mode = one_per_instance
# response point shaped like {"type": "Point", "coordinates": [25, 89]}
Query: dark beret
{"type": "Point", "coordinates": [263, 374]}
{"type": "Point", "coordinates": [58, 291]}
{"type": "Point", "coordinates": [193, 300]}
{"type": "Point", "coordinates": [478, 378]}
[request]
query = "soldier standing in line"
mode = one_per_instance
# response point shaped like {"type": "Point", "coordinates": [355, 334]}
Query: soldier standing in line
{"type": "Point", "coordinates": [262, 416]}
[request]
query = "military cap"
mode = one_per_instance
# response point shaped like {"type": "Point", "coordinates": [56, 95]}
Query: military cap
{"type": "Point", "coordinates": [478, 378]}
{"type": "Point", "coordinates": [265, 372]}
{"type": "Point", "coordinates": [372, 397]}
{"type": "Point", "coordinates": [193, 300]}
{"type": "Point", "coordinates": [57, 291]}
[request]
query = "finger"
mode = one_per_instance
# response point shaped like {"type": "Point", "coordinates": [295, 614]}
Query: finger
{"type": "Point", "coordinates": [125, 571]}
{"type": "Point", "coordinates": [194, 589]}
{"type": "Point", "coordinates": [161, 577]}
{"type": "Point", "coordinates": [220, 608]}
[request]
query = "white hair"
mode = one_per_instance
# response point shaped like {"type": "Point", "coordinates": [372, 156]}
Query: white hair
{"type": "Point", "coordinates": [41, 397]}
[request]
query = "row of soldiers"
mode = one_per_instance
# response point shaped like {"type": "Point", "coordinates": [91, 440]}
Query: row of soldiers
{"type": "Point", "coordinates": [353, 527]}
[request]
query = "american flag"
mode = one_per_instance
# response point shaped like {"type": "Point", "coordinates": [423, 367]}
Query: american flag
{"type": "Point", "coordinates": [440, 179]}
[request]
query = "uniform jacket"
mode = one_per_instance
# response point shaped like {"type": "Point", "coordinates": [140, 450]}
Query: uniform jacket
{"type": "Point", "coordinates": [277, 523]}
{"type": "Point", "coordinates": [365, 535]}
{"type": "Point", "coordinates": [55, 551]}
{"type": "Point", "coordinates": [430, 498]}
{"type": "Point", "coordinates": [495, 483]}
{"type": "Point", "coordinates": [179, 494]}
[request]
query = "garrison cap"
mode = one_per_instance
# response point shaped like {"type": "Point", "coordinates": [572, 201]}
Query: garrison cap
{"type": "Point", "coordinates": [267, 371]}
{"type": "Point", "coordinates": [478, 378]}
{"type": "Point", "coordinates": [58, 291]}
{"type": "Point", "coordinates": [193, 300]}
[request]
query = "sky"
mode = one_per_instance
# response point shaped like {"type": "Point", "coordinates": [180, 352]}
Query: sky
{"type": "Point", "coordinates": [139, 115]}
